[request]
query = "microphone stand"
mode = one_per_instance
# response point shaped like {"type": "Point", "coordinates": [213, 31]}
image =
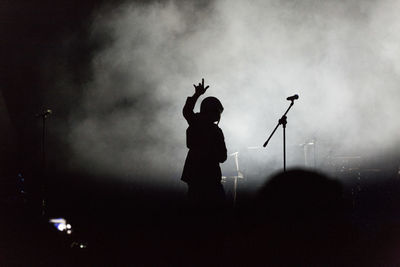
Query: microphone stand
{"type": "Point", "coordinates": [283, 121]}
{"type": "Point", "coordinates": [44, 116]}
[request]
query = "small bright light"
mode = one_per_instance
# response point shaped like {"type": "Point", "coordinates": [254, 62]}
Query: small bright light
{"type": "Point", "coordinates": [61, 227]}
{"type": "Point", "coordinates": [69, 232]}
{"type": "Point", "coordinates": [60, 224]}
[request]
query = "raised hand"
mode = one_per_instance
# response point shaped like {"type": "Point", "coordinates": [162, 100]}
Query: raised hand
{"type": "Point", "coordinates": [199, 89]}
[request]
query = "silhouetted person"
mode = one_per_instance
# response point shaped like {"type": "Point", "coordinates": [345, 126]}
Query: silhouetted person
{"type": "Point", "coordinates": [299, 219]}
{"type": "Point", "coordinates": [207, 149]}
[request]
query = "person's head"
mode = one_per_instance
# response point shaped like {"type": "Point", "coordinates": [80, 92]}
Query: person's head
{"type": "Point", "coordinates": [301, 195]}
{"type": "Point", "coordinates": [211, 108]}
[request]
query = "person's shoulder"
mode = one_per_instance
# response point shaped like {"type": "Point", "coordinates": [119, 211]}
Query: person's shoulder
{"type": "Point", "coordinates": [195, 119]}
{"type": "Point", "coordinates": [216, 128]}
{"type": "Point", "coordinates": [196, 116]}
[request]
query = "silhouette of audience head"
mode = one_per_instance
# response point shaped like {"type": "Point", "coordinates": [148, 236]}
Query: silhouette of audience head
{"type": "Point", "coordinates": [301, 195]}
{"type": "Point", "coordinates": [211, 109]}
{"type": "Point", "coordinates": [299, 219]}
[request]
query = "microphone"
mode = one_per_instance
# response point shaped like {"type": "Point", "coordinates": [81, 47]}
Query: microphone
{"type": "Point", "coordinates": [293, 97]}
{"type": "Point", "coordinates": [44, 113]}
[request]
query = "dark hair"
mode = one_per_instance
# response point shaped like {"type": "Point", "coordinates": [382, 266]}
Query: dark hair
{"type": "Point", "coordinates": [211, 104]}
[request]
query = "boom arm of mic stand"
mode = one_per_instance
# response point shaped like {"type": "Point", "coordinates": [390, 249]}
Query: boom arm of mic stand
{"type": "Point", "coordinates": [283, 118]}
{"type": "Point", "coordinates": [269, 138]}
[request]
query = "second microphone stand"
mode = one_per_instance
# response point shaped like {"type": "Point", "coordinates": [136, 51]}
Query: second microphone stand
{"type": "Point", "coordinates": [283, 121]}
{"type": "Point", "coordinates": [43, 188]}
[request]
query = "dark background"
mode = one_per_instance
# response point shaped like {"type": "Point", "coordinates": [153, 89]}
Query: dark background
{"type": "Point", "coordinates": [31, 33]}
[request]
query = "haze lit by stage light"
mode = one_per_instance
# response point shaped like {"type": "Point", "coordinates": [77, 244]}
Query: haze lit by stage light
{"type": "Point", "coordinates": [342, 58]}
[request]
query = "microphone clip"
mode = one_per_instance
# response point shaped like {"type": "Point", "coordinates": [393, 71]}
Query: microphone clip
{"type": "Point", "coordinates": [44, 113]}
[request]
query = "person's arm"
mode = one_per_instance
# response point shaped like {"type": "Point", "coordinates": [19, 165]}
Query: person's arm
{"type": "Point", "coordinates": [191, 101]}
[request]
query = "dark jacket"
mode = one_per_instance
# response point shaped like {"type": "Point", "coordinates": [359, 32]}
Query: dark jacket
{"type": "Point", "coordinates": [207, 149]}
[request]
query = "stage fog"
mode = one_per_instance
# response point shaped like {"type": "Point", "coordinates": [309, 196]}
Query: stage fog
{"type": "Point", "coordinates": [341, 57]}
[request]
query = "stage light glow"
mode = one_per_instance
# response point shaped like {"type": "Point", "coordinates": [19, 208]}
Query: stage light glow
{"type": "Point", "coordinates": [61, 225]}
{"type": "Point", "coordinates": [57, 220]}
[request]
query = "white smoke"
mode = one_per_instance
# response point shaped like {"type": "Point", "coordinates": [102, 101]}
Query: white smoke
{"type": "Point", "coordinates": [341, 57]}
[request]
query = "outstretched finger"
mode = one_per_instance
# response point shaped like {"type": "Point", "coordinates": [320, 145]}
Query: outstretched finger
{"type": "Point", "coordinates": [206, 87]}
{"type": "Point", "coordinates": [194, 86]}
{"type": "Point", "coordinates": [202, 82]}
